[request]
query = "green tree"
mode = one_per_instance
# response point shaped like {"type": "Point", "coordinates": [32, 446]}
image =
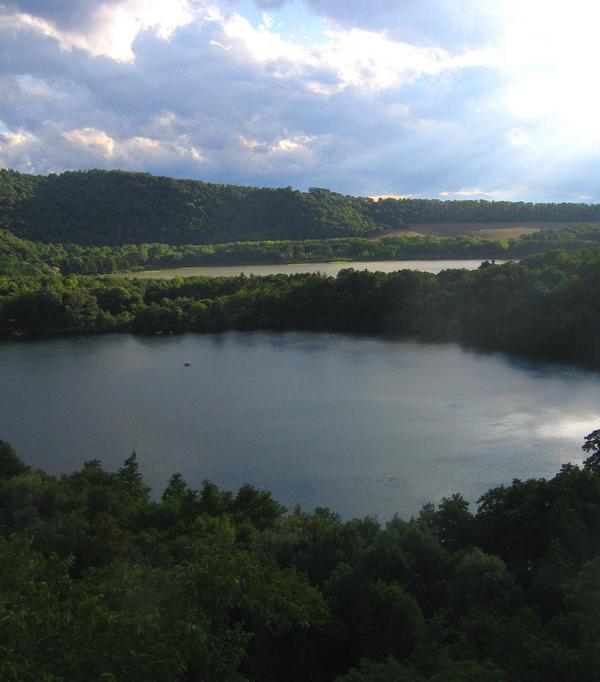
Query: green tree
{"type": "Point", "coordinates": [10, 463]}
{"type": "Point", "coordinates": [592, 444]}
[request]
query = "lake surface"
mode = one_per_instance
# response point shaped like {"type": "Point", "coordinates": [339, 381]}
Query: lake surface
{"type": "Point", "coordinates": [433, 266]}
{"type": "Point", "coordinates": [362, 425]}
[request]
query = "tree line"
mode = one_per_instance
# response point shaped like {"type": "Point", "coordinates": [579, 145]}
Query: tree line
{"type": "Point", "coordinates": [100, 580]}
{"type": "Point", "coordinates": [24, 257]}
{"type": "Point", "coordinates": [19, 256]}
{"type": "Point", "coordinates": [99, 207]}
{"type": "Point", "coordinates": [546, 306]}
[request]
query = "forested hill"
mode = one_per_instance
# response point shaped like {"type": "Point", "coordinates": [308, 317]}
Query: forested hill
{"type": "Point", "coordinates": [116, 207]}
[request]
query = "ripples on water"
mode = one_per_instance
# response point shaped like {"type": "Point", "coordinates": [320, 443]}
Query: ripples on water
{"type": "Point", "coordinates": [362, 425]}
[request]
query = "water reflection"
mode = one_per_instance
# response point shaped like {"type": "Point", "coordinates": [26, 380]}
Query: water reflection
{"type": "Point", "coordinates": [361, 425]}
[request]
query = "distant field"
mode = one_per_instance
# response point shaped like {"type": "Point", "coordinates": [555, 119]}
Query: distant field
{"type": "Point", "coordinates": [506, 232]}
{"type": "Point", "coordinates": [500, 230]}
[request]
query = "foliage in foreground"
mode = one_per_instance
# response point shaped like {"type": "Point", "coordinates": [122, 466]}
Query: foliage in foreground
{"type": "Point", "coordinates": [100, 581]}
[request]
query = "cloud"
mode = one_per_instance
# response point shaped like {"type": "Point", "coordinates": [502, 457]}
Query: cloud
{"type": "Point", "coordinates": [367, 60]}
{"type": "Point", "coordinates": [411, 98]}
{"type": "Point", "coordinates": [134, 149]}
{"type": "Point", "coordinates": [18, 138]}
{"type": "Point", "coordinates": [103, 28]}
{"type": "Point", "coordinates": [471, 192]}
{"type": "Point", "coordinates": [517, 138]}
{"type": "Point", "coordinates": [289, 145]}
{"type": "Point", "coordinates": [270, 4]}
{"type": "Point", "coordinates": [448, 23]}
{"type": "Point", "coordinates": [96, 141]}
{"type": "Point", "coordinates": [17, 148]}
{"type": "Point", "coordinates": [54, 150]}
{"type": "Point", "coordinates": [509, 192]}
{"type": "Point", "coordinates": [71, 15]}
{"type": "Point", "coordinates": [376, 197]}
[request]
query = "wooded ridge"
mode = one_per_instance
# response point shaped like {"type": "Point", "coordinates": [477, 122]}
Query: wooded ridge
{"type": "Point", "coordinates": [98, 207]}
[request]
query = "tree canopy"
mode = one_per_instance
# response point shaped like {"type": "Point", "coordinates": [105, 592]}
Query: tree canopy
{"type": "Point", "coordinates": [102, 580]}
{"type": "Point", "coordinates": [545, 306]}
{"type": "Point", "coordinates": [98, 207]}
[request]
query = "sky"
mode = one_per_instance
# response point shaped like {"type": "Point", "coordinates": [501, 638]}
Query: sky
{"type": "Point", "coordinates": [489, 99]}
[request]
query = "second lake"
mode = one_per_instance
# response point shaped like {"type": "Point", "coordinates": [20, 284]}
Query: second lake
{"type": "Point", "coordinates": [329, 268]}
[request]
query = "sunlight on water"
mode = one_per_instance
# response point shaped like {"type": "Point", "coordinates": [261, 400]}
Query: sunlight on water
{"type": "Point", "coordinates": [362, 425]}
{"type": "Point", "coordinates": [569, 427]}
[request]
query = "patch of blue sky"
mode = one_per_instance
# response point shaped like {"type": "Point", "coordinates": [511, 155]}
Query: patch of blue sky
{"type": "Point", "coordinates": [292, 21]}
{"type": "Point", "coordinates": [249, 10]}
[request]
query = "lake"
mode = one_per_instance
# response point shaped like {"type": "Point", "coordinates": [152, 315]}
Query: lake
{"type": "Point", "coordinates": [362, 425]}
{"type": "Point", "coordinates": [433, 266]}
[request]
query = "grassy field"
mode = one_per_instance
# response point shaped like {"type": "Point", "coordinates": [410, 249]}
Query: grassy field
{"type": "Point", "coordinates": [500, 230]}
{"type": "Point", "coordinates": [506, 232]}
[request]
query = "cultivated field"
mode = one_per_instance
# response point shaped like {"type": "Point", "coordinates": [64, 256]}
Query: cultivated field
{"type": "Point", "coordinates": [499, 230]}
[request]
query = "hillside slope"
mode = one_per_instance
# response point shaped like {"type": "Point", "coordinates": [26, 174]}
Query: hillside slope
{"type": "Point", "coordinates": [116, 207]}
{"type": "Point", "coordinates": [99, 207]}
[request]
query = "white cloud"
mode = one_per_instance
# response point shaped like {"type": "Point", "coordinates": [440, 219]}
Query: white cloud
{"type": "Point", "coordinates": [145, 144]}
{"type": "Point", "coordinates": [471, 192]}
{"type": "Point", "coordinates": [549, 52]}
{"type": "Point", "coordinates": [16, 147]}
{"type": "Point", "coordinates": [371, 61]}
{"type": "Point", "coordinates": [289, 154]}
{"type": "Point", "coordinates": [252, 144]}
{"type": "Point", "coordinates": [165, 119]}
{"type": "Point", "coordinates": [366, 60]}
{"type": "Point", "coordinates": [267, 21]}
{"type": "Point", "coordinates": [508, 192]}
{"type": "Point", "coordinates": [14, 141]}
{"type": "Point", "coordinates": [96, 141]}
{"type": "Point", "coordinates": [132, 150]}
{"type": "Point", "coordinates": [361, 104]}
{"type": "Point", "coordinates": [265, 46]}
{"type": "Point", "coordinates": [376, 197]}
{"type": "Point", "coordinates": [283, 145]}
{"type": "Point", "coordinates": [146, 147]}
{"type": "Point", "coordinates": [288, 145]}
{"type": "Point", "coordinates": [114, 28]}
{"type": "Point", "coordinates": [517, 138]}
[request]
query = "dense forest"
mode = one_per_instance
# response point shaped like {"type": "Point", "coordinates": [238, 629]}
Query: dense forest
{"type": "Point", "coordinates": [100, 581]}
{"type": "Point", "coordinates": [547, 305]}
{"type": "Point", "coordinates": [19, 256]}
{"type": "Point", "coordinates": [117, 207]}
